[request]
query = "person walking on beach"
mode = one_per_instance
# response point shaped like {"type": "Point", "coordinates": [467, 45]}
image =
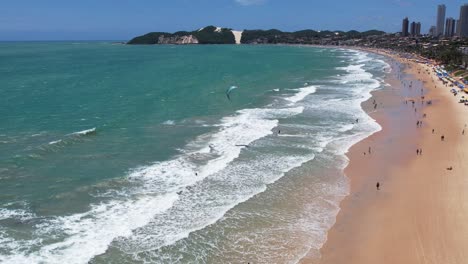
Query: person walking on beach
{"type": "Point", "coordinates": [442, 138]}
{"type": "Point", "coordinates": [417, 124]}
{"type": "Point", "coordinates": [417, 151]}
{"type": "Point", "coordinates": [378, 185]}
{"type": "Point", "coordinates": [369, 150]}
{"type": "Point", "coordinates": [463, 132]}
{"type": "Point", "coordinates": [433, 131]}
{"type": "Point", "coordinates": [420, 151]}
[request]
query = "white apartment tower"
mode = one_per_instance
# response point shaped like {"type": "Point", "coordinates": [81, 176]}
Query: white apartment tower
{"type": "Point", "coordinates": [462, 29]}
{"type": "Point", "coordinates": [440, 20]}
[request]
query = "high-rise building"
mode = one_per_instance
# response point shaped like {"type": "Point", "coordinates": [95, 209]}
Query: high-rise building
{"type": "Point", "coordinates": [463, 21]}
{"type": "Point", "coordinates": [449, 27]}
{"type": "Point", "coordinates": [413, 29]}
{"type": "Point", "coordinates": [404, 27]}
{"type": "Point", "coordinates": [418, 29]}
{"type": "Point", "coordinates": [440, 20]}
{"type": "Point", "coordinates": [432, 31]}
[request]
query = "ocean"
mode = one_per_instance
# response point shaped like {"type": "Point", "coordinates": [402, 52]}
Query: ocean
{"type": "Point", "coordinates": [135, 154]}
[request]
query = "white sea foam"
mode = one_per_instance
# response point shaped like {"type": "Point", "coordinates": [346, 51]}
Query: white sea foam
{"type": "Point", "coordinates": [303, 93]}
{"type": "Point", "coordinates": [364, 83]}
{"type": "Point", "coordinates": [242, 129]}
{"type": "Point", "coordinates": [90, 233]}
{"type": "Point", "coordinates": [346, 128]}
{"type": "Point", "coordinates": [235, 184]}
{"type": "Point", "coordinates": [55, 142]}
{"type": "Point", "coordinates": [362, 57]}
{"type": "Point", "coordinates": [294, 136]}
{"type": "Point", "coordinates": [169, 122]}
{"type": "Point", "coordinates": [15, 213]}
{"type": "Point", "coordinates": [85, 132]}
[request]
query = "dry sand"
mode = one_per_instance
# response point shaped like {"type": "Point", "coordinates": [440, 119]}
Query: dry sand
{"type": "Point", "coordinates": [420, 215]}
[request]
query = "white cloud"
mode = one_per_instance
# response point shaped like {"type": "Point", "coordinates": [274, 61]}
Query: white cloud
{"type": "Point", "coordinates": [250, 2]}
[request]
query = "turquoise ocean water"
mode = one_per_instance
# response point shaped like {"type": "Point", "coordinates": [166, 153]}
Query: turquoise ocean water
{"type": "Point", "coordinates": [134, 154]}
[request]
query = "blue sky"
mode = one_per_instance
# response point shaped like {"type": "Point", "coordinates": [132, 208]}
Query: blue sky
{"type": "Point", "coordinates": [123, 19]}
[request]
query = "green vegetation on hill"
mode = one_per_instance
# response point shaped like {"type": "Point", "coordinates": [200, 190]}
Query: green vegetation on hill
{"type": "Point", "coordinates": [265, 36]}
{"type": "Point", "coordinates": [150, 38]}
{"type": "Point", "coordinates": [210, 35]}
{"type": "Point", "coordinates": [274, 36]}
{"type": "Point", "coordinates": [372, 33]}
{"type": "Point", "coordinates": [207, 35]}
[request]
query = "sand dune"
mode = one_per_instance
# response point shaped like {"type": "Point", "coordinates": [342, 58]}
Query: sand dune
{"type": "Point", "coordinates": [237, 36]}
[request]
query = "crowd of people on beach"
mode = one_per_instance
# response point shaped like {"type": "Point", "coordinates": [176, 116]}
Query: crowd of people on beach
{"type": "Point", "coordinates": [408, 89]}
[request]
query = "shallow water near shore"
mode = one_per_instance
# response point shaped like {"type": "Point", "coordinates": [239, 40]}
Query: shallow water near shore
{"type": "Point", "coordinates": [133, 154]}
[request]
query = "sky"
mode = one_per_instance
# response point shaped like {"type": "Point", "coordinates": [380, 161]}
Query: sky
{"type": "Point", "coordinates": [124, 19]}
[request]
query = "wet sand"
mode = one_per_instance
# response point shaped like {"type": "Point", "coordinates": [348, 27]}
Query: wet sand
{"type": "Point", "coordinates": [420, 214]}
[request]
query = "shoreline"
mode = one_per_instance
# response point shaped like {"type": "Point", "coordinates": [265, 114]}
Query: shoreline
{"type": "Point", "coordinates": [366, 225]}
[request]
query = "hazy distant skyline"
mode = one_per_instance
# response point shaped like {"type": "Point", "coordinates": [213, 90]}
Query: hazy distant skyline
{"type": "Point", "coordinates": [124, 19]}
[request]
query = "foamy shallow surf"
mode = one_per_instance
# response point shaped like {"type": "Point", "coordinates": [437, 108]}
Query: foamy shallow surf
{"type": "Point", "coordinates": [55, 142]}
{"type": "Point", "coordinates": [89, 234]}
{"type": "Point", "coordinates": [85, 132]}
{"type": "Point", "coordinates": [303, 92]}
{"type": "Point", "coordinates": [363, 83]}
{"type": "Point", "coordinates": [169, 122]}
{"type": "Point", "coordinates": [208, 203]}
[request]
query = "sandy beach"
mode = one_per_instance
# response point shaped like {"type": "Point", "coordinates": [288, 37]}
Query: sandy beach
{"type": "Point", "coordinates": [420, 213]}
